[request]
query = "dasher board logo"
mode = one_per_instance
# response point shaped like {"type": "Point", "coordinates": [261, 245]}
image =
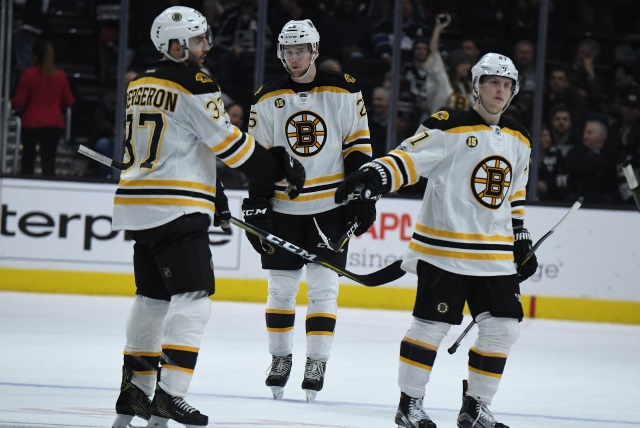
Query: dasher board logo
{"type": "Point", "coordinates": [491, 180]}
{"type": "Point", "coordinates": [306, 133]}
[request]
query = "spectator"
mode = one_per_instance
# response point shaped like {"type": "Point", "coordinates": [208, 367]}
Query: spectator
{"type": "Point", "coordinates": [628, 138]}
{"type": "Point", "coordinates": [592, 166]}
{"type": "Point", "coordinates": [108, 22]}
{"type": "Point", "coordinates": [552, 178]}
{"type": "Point", "coordinates": [43, 93]}
{"type": "Point", "coordinates": [563, 133]}
{"type": "Point", "coordinates": [230, 177]}
{"type": "Point", "coordinates": [459, 66]}
{"type": "Point", "coordinates": [31, 17]}
{"type": "Point", "coordinates": [560, 91]}
{"type": "Point", "coordinates": [583, 73]}
{"type": "Point", "coordinates": [234, 44]}
{"type": "Point", "coordinates": [438, 86]}
{"type": "Point", "coordinates": [414, 77]}
{"type": "Point", "coordinates": [522, 106]}
{"type": "Point", "coordinates": [524, 55]}
{"type": "Point", "coordinates": [378, 119]}
{"type": "Point", "coordinates": [103, 134]}
{"type": "Point", "coordinates": [330, 64]}
{"type": "Point", "coordinates": [470, 46]}
{"type": "Point", "coordinates": [413, 27]}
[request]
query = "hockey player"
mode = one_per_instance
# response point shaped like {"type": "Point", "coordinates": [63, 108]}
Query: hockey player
{"type": "Point", "coordinates": [320, 119]}
{"type": "Point", "coordinates": [469, 232]}
{"type": "Point", "coordinates": [165, 201]}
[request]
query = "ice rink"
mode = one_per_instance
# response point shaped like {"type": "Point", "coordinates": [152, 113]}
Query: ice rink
{"type": "Point", "coordinates": [61, 357]}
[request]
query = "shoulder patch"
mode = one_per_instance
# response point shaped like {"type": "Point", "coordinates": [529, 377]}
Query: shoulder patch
{"type": "Point", "coordinates": [441, 115]}
{"type": "Point", "coordinates": [349, 78]}
{"type": "Point", "coordinates": [203, 78]}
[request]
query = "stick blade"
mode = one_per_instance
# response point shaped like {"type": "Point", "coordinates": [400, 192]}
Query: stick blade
{"type": "Point", "coordinates": [383, 276]}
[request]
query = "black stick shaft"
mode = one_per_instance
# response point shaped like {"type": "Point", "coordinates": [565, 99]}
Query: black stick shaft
{"type": "Point", "coordinates": [386, 274]}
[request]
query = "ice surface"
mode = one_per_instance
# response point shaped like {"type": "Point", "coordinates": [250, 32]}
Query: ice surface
{"type": "Point", "coordinates": [61, 357]}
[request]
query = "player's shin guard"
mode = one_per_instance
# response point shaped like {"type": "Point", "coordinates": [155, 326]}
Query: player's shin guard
{"type": "Point", "coordinates": [488, 356]}
{"type": "Point", "coordinates": [281, 309]}
{"type": "Point", "coordinates": [418, 354]}
{"type": "Point", "coordinates": [184, 325]}
{"type": "Point", "coordinates": [322, 310]}
{"type": "Point", "coordinates": [144, 329]}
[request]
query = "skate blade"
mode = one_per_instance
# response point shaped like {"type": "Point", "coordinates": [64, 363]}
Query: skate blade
{"type": "Point", "coordinates": [311, 395]}
{"type": "Point", "coordinates": [277, 391]}
{"type": "Point", "coordinates": [158, 422]}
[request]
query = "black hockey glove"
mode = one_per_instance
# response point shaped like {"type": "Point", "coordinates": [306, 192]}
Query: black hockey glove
{"type": "Point", "coordinates": [258, 212]}
{"type": "Point", "coordinates": [369, 182]}
{"type": "Point", "coordinates": [362, 211]}
{"type": "Point", "coordinates": [293, 171]}
{"type": "Point", "coordinates": [521, 246]}
{"type": "Point", "coordinates": [223, 214]}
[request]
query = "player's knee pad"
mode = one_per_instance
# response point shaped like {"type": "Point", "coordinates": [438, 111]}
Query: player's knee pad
{"type": "Point", "coordinates": [187, 317]}
{"type": "Point", "coordinates": [496, 334]}
{"type": "Point", "coordinates": [431, 332]}
{"type": "Point", "coordinates": [283, 284]}
{"type": "Point", "coordinates": [322, 283]}
{"type": "Point", "coordinates": [144, 326]}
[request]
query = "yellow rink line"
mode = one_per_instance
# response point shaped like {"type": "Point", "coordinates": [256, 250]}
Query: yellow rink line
{"type": "Point", "coordinates": [357, 296]}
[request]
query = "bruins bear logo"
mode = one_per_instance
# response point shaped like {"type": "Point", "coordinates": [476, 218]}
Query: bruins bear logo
{"type": "Point", "coordinates": [491, 180]}
{"type": "Point", "coordinates": [306, 133]}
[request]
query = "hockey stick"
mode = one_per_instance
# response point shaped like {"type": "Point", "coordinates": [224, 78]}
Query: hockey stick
{"type": "Point", "coordinates": [386, 274]}
{"type": "Point", "coordinates": [632, 181]}
{"type": "Point", "coordinates": [575, 207]}
{"type": "Point", "coordinates": [105, 160]}
{"type": "Point", "coordinates": [337, 246]}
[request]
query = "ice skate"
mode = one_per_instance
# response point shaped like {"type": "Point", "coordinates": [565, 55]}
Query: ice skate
{"type": "Point", "coordinates": [410, 413]}
{"type": "Point", "coordinates": [475, 414]}
{"type": "Point", "coordinates": [167, 407]}
{"type": "Point", "coordinates": [313, 378]}
{"type": "Point", "coordinates": [279, 372]}
{"type": "Point", "coordinates": [131, 402]}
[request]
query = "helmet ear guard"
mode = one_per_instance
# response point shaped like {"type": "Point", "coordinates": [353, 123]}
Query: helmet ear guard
{"type": "Point", "coordinates": [494, 64]}
{"type": "Point", "coordinates": [178, 23]}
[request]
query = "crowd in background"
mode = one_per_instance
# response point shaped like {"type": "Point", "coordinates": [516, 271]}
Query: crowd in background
{"type": "Point", "coordinates": [591, 92]}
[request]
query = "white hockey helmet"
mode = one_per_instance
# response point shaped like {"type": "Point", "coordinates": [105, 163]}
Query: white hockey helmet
{"type": "Point", "coordinates": [493, 64]}
{"type": "Point", "coordinates": [178, 23]}
{"type": "Point", "coordinates": [298, 33]}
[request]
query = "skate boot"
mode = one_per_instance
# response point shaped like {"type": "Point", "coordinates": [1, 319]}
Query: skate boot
{"type": "Point", "coordinates": [313, 378]}
{"type": "Point", "coordinates": [131, 402]}
{"type": "Point", "coordinates": [475, 414]}
{"type": "Point", "coordinates": [410, 413]}
{"type": "Point", "coordinates": [279, 372]}
{"type": "Point", "coordinates": [167, 407]}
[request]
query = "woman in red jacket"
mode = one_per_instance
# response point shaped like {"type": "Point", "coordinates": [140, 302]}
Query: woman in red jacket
{"type": "Point", "coordinates": [42, 94]}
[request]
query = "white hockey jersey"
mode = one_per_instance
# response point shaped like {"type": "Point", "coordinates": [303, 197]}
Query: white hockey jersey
{"type": "Point", "coordinates": [176, 124]}
{"type": "Point", "coordinates": [320, 124]}
{"type": "Point", "coordinates": [477, 176]}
